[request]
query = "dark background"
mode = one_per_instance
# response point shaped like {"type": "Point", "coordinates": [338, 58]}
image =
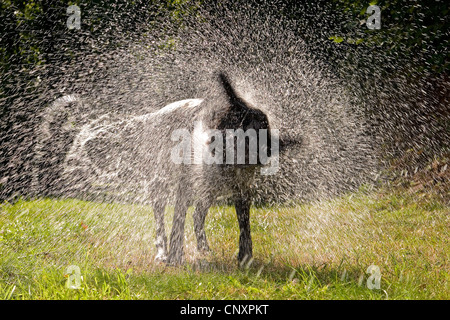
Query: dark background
{"type": "Point", "coordinates": [398, 74]}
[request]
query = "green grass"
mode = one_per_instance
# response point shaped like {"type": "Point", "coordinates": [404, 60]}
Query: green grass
{"type": "Point", "coordinates": [311, 251]}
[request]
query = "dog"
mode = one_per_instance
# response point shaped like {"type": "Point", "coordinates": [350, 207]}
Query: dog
{"type": "Point", "coordinates": [136, 154]}
{"type": "Point", "coordinates": [233, 176]}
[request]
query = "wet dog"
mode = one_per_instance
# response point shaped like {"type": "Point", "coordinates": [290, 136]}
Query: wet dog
{"type": "Point", "coordinates": [191, 150]}
{"type": "Point", "coordinates": [230, 175]}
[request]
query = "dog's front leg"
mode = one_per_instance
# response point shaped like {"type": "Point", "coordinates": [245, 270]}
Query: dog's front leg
{"type": "Point", "coordinates": [242, 205]}
{"type": "Point", "coordinates": [201, 210]}
{"type": "Point", "coordinates": [161, 238]}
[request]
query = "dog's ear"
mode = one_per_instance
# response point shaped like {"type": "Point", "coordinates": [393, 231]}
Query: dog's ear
{"type": "Point", "coordinates": [226, 85]}
{"type": "Point", "coordinates": [236, 103]}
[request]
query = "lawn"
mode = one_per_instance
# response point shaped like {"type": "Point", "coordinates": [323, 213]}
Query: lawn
{"type": "Point", "coordinates": [319, 250]}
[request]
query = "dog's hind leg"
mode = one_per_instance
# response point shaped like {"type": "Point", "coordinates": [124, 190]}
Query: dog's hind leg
{"type": "Point", "coordinates": [176, 246]}
{"type": "Point", "coordinates": [242, 205]}
{"type": "Point", "coordinates": [201, 210]}
{"type": "Point", "coordinates": [161, 238]}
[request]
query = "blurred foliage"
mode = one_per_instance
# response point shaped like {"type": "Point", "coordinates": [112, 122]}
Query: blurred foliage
{"type": "Point", "coordinates": [35, 33]}
{"type": "Point", "coordinates": [411, 31]}
{"type": "Point", "coordinates": [414, 29]}
{"type": "Point", "coordinates": [398, 74]}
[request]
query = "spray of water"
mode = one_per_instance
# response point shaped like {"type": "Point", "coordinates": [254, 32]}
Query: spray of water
{"type": "Point", "coordinates": [101, 134]}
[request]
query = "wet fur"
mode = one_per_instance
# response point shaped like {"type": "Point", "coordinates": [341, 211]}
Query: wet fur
{"type": "Point", "coordinates": [234, 178]}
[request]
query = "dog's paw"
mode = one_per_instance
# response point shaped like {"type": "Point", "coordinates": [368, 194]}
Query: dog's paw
{"type": "Point", "coordinates": [161, 258]}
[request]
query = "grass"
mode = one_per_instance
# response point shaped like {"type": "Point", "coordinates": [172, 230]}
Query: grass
{"type": "Point", "coordinates": [311, 251]}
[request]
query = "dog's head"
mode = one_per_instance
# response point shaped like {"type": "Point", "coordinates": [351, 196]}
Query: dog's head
{"type": "Point", "coordinates": [245, 129]}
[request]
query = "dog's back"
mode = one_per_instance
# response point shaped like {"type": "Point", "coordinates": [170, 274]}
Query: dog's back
{"type": "Point", "coordinates": [134, 156]}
